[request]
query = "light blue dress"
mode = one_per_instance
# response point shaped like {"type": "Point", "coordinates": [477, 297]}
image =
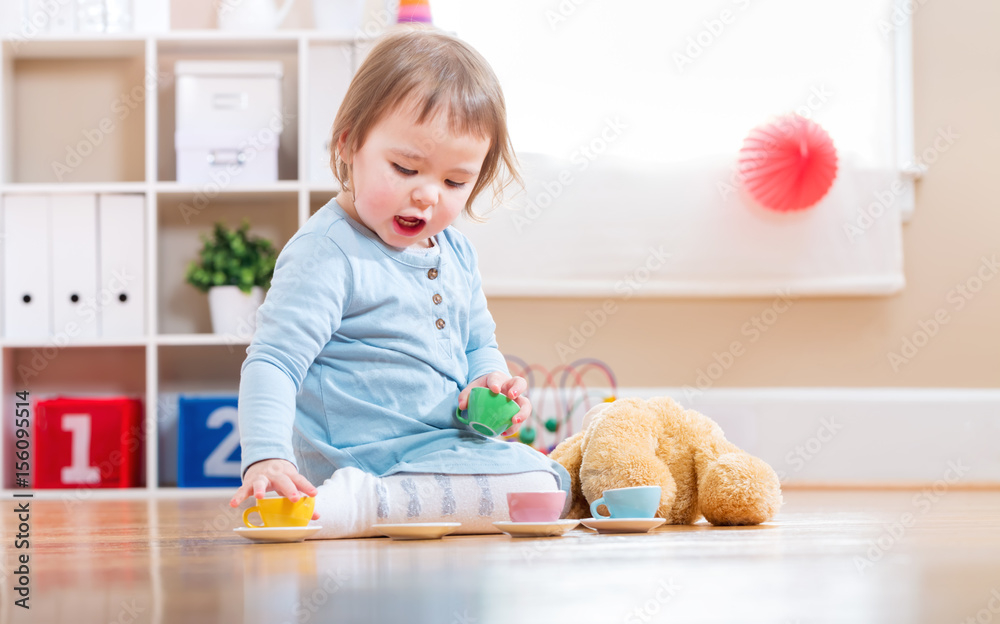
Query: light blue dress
{"type": "Point", "coordinates": [360, 352]}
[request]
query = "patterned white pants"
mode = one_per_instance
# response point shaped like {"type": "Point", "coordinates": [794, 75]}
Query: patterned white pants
{"type": "Point", "coordinates": [352, 501]}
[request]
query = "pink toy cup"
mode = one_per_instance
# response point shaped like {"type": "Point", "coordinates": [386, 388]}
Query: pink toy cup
{"type": "Point", "coordinates": [535, 506]}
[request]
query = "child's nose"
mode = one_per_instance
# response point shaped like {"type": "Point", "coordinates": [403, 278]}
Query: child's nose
{"type": "Point", "coordinates": [426, 195]}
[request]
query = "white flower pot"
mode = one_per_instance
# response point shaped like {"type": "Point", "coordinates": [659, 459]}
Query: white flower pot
{"type": "Point", "coordinates": [234, 312]}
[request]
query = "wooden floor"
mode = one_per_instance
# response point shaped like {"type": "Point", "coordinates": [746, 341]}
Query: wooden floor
{"type": "Point", "coordinates": [830, 556]}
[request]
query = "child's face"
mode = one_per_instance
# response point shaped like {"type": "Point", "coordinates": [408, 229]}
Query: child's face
{"type": "Point", "coordinates": [411, 180]}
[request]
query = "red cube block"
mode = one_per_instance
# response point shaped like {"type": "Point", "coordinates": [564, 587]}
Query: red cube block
{"type": "Point", "coordinates": [88, 442]}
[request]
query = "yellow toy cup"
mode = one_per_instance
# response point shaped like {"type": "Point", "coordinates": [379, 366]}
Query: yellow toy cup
{"type": "Point", "coordinates": [281, 512]}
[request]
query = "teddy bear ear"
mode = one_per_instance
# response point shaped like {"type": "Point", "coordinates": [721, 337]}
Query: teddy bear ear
{"type": "Point", "coordinates": [594, 411]}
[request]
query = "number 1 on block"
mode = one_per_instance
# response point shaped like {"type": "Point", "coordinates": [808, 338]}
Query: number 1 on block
{"type": "Point", "coordinates": [79, 471]}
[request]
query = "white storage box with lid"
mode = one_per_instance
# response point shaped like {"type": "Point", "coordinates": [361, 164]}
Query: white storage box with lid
{"type": "Point", "coordinates": [229, 122]}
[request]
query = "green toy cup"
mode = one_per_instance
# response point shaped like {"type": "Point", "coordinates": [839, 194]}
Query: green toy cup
{"type": "Point", "coordinates": [489, 413]}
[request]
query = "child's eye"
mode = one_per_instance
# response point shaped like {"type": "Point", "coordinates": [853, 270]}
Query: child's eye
{"type": "Point", "coordinates": [455, 184]}
{"type": "Point", "coordinates": [403, 170]}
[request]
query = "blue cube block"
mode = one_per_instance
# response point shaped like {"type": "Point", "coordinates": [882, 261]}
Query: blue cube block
{"type": "Point", "coordinates": [208, 444]}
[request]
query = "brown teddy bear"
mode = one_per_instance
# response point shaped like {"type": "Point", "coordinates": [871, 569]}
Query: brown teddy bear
{"type": "Point", "coordinates": [632, 442]}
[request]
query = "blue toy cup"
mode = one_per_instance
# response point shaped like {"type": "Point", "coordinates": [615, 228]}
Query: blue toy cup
{"type": "Point", "coordinates": [631, 502]}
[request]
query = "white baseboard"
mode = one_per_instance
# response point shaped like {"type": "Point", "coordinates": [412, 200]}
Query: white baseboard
{"type": "Point", "coordinates": [854, 436]}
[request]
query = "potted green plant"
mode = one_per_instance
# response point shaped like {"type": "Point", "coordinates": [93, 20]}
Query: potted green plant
{"type": "Point", "coordinates": [234, 268]}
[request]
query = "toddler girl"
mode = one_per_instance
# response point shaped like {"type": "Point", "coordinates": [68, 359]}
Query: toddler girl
{"type": "Point", "coordinates": [376, 328]}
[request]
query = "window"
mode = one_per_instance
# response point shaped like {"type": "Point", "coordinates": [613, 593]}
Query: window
{"type": "Point", "coordinates": [628, 118]}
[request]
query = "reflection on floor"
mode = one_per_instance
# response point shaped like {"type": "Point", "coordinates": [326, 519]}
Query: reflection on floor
{"type": "Point", "coordinates": [830, 556]}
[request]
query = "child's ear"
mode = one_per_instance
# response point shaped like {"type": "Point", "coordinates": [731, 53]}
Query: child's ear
{"type": "Point", "coordinates": [341, 143]}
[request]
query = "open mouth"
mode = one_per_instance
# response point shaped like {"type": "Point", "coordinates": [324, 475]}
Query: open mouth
{"type": "Point", "coordinates": [408, 226]}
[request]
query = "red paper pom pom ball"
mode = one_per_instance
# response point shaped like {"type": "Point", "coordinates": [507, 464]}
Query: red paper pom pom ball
{"type": "Point", "coordinates": [788, 164]}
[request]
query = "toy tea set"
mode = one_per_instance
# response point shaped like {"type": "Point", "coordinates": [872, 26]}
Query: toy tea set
{"type": "Point", "coordinates": [680, 468]}
{"type": "Point", "coordinates": [488, 413]}
{"type": "Point", "coordinates": [281, 520]}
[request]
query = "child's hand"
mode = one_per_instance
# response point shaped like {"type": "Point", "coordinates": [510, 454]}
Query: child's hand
{"type": "Point", "coordinates": [273, 474]}
{"type": "Point", "coordinates": [502, 383]}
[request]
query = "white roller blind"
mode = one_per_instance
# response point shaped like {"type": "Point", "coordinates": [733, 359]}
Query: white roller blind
{"type": "Point", "coordinates": [624, 113]}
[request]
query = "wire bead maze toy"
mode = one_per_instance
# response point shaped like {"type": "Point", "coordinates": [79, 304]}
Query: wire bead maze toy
{"type": "Point", "coordinates": [555, 405]}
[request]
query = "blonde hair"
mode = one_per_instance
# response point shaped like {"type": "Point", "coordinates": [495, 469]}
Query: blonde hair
{"type": "Point", "coordinates": [420, 63]}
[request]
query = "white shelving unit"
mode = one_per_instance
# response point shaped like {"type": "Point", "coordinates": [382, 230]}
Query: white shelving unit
{"type": "Point", "coordinates": [53, 89]}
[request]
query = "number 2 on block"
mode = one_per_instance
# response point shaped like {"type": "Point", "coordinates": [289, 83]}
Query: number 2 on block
{"type": "Point", "coordinates": [217, 464]}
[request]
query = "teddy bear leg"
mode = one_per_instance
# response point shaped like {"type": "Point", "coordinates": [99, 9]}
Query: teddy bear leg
{"type": "Point", "coordinates": [738, 488]}
{"type": "Point", "coordinates": [569, 454]}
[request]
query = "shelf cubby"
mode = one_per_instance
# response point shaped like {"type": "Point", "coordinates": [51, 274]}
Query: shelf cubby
{"type": "Point", "coordinates": [318, 199]}
{"type": "Point", "coordinates": [284, 50]}
{"type": "Point", "coordinates": [75, 111]}
{"type": "Point", "coordinates": [330, 66]}
{"type": "Point", "coordinates": [181, 219]}
{"type": "Point", "coordinates": [46, 370]}
{"type": "Point", "coordinates": [191, 370]}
